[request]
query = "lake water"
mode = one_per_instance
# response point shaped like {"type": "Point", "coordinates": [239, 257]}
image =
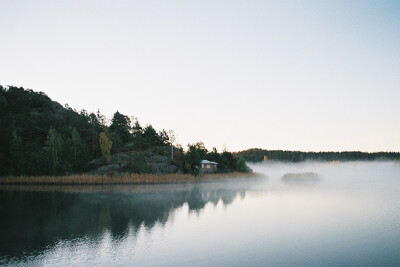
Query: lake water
{"type": "Point", "coordinates": [349, 216]}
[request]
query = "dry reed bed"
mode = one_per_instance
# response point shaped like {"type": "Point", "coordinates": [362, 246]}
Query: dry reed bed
{"type": "Point", "coordinates": [90, 188]}
{"type": "Point", "coordinates": [120, 179]}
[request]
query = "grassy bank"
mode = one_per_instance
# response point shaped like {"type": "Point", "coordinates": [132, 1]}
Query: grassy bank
{"type": "Point", "coordinates": [121, 179]}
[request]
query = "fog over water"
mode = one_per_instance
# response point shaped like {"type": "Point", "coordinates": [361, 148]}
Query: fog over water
{"type": "Point", "coordinates": [321, 214]}
{"type": "Point", "coordinates": [335, 175]}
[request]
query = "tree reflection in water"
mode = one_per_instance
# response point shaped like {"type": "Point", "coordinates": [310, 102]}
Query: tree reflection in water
{"type": "Point", "coordinates": [34, 219]}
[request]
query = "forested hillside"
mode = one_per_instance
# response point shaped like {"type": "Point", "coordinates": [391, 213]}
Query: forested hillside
{"type": "Point", "coordinates": [41, 137]}
{"type": "Point", "coordinates": [257, 154]}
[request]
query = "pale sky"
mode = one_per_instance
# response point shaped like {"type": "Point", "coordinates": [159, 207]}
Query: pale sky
{"type": "Point", "coordinates": [292, 75]}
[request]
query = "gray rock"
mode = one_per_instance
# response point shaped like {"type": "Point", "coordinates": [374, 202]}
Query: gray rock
{"type": "Point", "coordinates": [107, 169]}
{"type": "Point", "coordinates": [119, 158]}
{"type": "Point", "coordinates": [162, 168]}
{"type": "Point", "coordinates": [159, 159]}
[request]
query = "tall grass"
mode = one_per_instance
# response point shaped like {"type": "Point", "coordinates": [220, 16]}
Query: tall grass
{"type": "Point", "coordinates": [120, 179]}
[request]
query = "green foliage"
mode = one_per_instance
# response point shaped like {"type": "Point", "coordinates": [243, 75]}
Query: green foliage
{"type": "Point", "coordinates": [78, 149]}
{"type": "Point", "coordinates": [97, 125]}
{"type": "Point", "coordinates": [256, 155]}
{"type": "Point", "coordinates": [200, 147]}
{"type": "Point", "coordinates": [16, 154]}
{"type": "Point", "coordinates": [40, 137]}
{"type": "Point", "coordinates": [28, 148]}
{"type": "Point", "coordinates": [105, 145]}
{"type": "Point", "coordinates": [227, 161]}
{"type": "Point", "coordinates": [137, 130]}
{"type": "Point", "coordinates": [3, 103]}
{"type": "Point", "coordinates": [192, 159]}
{"type": "Point", "coordinates": [149, 137]}
{"type": "Point", "coordinates": [163, 138]}
{"type": "Point", "coordinates": [242, 167]}
{"type": "Point", "coordinates": [196, 152]}
{"type": "Point", "coordinates": [121, 127]}
{"type": "Point", "coordinates": [179, 158]}
{"type": "Point", "coordinates": [139, 164]}
{"type": "Point", "coordinates": [54, 148]}
{"type": "Point", "coordinates": [31, 115]}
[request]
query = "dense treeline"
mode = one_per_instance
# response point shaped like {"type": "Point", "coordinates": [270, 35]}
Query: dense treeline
{"type": "Point", "coordinates": [41, 137]}
{"type": "Point", "coordinates": [257, 154]}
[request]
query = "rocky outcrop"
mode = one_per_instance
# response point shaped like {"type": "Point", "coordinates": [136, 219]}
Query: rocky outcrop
{"type": "Point", "coordinates": [161, 165]}
{"type": "Point", "coordinates": [114, 169]}
{"type": "Point", "coordinates": [133, 161]}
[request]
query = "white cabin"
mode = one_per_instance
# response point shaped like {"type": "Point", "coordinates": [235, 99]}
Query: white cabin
{"type": "Point", "coordinates": [207, 166]}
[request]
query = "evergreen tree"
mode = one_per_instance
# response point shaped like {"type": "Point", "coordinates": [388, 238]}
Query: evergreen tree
{"type": "Point", "coordinates": [77, 145]}
{"type": "Point", "coordinates": [16, 155]}
{"type": "Point", "coordinates": [54, 147]}
{"type": "Point", "coordinates": [242, 167]}
{"type": "Point", "coordinates": [193, 159]}
{"type": "Point", "coordinates": [137, 130]}
{"type": "Point", "coordinates": [152, 138]}
{"type": "Point", "coordinates": [120, 126]}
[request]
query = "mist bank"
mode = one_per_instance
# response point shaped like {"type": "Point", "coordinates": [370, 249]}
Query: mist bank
{"type": "Point", "coordinates": [258, 155]}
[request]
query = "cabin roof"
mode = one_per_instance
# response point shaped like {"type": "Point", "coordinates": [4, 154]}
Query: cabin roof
{"type": "Point", "coordinates": [204, 161]}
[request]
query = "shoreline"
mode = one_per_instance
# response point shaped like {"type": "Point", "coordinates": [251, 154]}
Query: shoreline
{"type": "Point", "coordinates": [122, 179]}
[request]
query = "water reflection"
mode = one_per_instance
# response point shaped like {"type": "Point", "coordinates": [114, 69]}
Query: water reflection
{"type": "Point", "coordinates": [39, 217]}
{"type": "Point", "coordinates": [351, 216]}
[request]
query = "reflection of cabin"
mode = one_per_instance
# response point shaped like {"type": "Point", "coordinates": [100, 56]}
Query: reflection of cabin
{"type": "Point", "coordinates": [208, 166]}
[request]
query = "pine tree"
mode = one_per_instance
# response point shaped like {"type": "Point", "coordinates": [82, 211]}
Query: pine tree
{"type": "Point", "coordinates": [16, 153]}
{"type": "Point", "coordinates": [54, 147]}
{"type": "Point", "coordinates": [77, 143]}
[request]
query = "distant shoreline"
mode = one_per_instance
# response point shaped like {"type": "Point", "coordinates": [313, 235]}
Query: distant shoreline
{"type": "Point", "coordinates": [121, 179]}
{"type": "Point", "coordinates": [254, 155]}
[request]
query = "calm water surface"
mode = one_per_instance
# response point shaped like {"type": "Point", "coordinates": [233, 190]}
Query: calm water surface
{"type": "Point", "coordinates": [350, 216]}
